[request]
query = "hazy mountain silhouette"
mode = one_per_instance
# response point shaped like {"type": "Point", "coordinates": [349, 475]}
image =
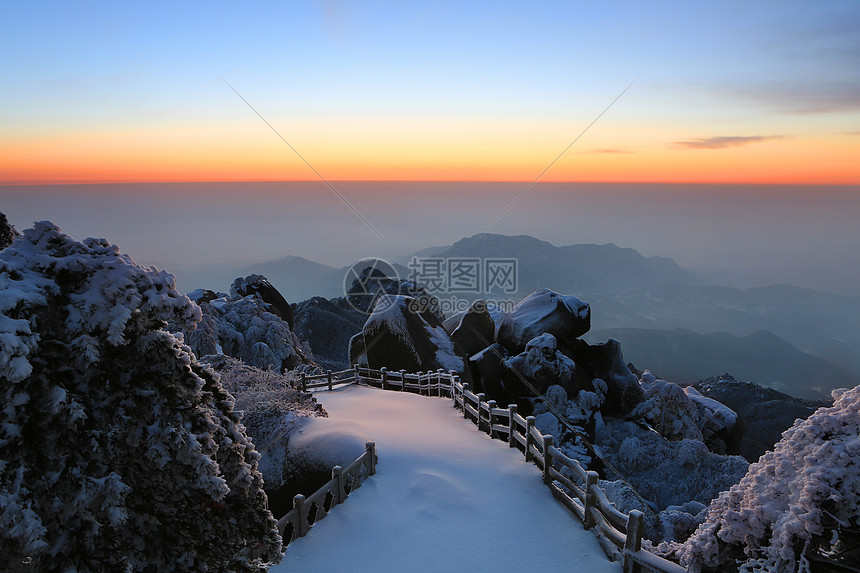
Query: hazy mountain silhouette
{"type": "Point", "coordinates": [683, 356]}
{"type": "Point", "coordinates": [628, 290]}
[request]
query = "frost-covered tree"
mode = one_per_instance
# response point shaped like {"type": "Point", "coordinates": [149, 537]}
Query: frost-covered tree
{"type": "Point", "coordinates": [668, 409]}
{"type": "Point", "coordinates": [798, 505]}
{"type": "Point", "coordinates": [118, 450]}
{"type": "Point", "coordinates": [7, 232]}
{"type": "Point", "coordinates": [245, 327]}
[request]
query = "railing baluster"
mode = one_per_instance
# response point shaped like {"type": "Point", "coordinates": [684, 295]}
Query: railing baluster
{"type": "Point", "coordinates": [299, 506]}
{"type": "Point", "coordinates": [530, 423]}
{"type": "Point", "coordinates": [491, 404]}
{"type": "Point", "coordinates": [547, 460]}
{"type": "Point", "coordinates": [370, 447]}
{"type": "Point", "coordinates": [590, 482]}
{"type": "Point", "coordinates": [633, 542]}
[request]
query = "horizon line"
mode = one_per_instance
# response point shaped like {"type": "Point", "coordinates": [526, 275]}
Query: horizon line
{"type": "Point", "coordinates": [47, 183]}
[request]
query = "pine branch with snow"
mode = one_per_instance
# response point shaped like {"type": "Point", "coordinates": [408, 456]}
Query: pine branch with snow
{"type": "Point", "coordinates": [118, 450]}
{"type": "Point", "coordinates": [798, 503]}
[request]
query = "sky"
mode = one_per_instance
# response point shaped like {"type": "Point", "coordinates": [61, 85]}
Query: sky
{"type": "Point", "coordinates": [728, 92]}
{"type": "Point", "coordinates": [725, 135]}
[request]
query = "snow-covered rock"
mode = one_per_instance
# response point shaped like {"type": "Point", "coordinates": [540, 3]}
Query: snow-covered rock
{"type": "Point", "coordinates": [475, 329]}
{"type": "Point", "coordinates": [764, 413]}
{"type": "Point", "coordinates": [401, 334]}
{"type": "Point", "coordinates": [544, 311]}
{"type": "Point", "coordinates": [372, 284]}
{"type": "Point", "coordinates": [487, 369]}
{"type": "Point", "coordinates": [540, 366]}
{"type": "Point", "coordinates": [668, 409]}
{"type": "Point", "coordinates": [678, 413]}
{"type": "Point", "coordinates": [258, 285]}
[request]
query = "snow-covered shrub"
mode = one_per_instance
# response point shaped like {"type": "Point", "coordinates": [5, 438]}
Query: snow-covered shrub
{"type": "Point", "coordinates": [118, 450]}
{"type": "Point", "coordinates": [542, 364]}
{"type": "Point", "coordinates": [244, 328]}
{"type": "Point", "coordinates": [667, 472]}
{"type": "Point", "coordinates": [798, 503]}
{"type": "Point", "coordinates": [668, 409]}
{"type": "Point", "coordinates": [271, 407]}
{"type": "Point", "coordinates": [7, 232]}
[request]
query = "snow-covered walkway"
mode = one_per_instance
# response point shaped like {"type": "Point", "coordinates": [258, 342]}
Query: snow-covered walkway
{"type": "Point", "coordinates": [445, 498]}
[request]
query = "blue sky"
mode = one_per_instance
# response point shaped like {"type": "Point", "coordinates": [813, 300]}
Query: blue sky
{"type": "Point", "coordinates": [382, 74]}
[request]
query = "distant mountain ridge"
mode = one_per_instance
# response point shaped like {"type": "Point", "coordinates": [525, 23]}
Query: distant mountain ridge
{"type": "Point", "coordinates": [684, 356]}
{"type": "Point", "coordinates": [572, 268]}
{"type": "Point", "coordinates": [627, 290]}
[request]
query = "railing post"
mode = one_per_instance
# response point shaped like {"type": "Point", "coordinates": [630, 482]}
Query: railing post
{"type": "Point", "coordinates": [451, 374]}
{"type": "Point", "coordinates": [356, 375]}
{"type": "Point", "coordinates": [337, 475]}
{"type": "Point", "coordinates": [491, 404]}
{"type": "Point", "coordinates": [384, 371]}
{"type": "Point", "coordinates": [304, 383]}
{"type": "Point", "coordinates": [530, 423]}
{"type": "Point", "coordinates": [481, 397]}
{"type": "Point", "coordinates": [299, 506]}
{"type": "Point", "coordinates": [590, 483]}
{"type": "Point", "coordinates": [329, 379]}
{"type": "Point", "coordinates": [463, 396]}
{"type": "Point", "coordinates": [370, 447]}
{"type": "Point", "coordinates": [547, 460]}
{"type": "Point", "coordinates": [403, 380]}
{"type": "Point", "coordinates": [634, 541]}
{"type": "Point", "coordinates": [512, 410]}
{"type": "Point", "coordinates": [419, 382]}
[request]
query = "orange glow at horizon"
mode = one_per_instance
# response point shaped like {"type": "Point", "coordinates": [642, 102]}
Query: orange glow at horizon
{"type": "Point", "coordinates": [215, 155]}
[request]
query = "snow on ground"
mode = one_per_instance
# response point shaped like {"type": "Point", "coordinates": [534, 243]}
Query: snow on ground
{"type": "Point", "coordinates": [445, 498]}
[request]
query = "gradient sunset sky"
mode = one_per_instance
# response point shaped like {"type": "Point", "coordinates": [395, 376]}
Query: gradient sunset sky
{"type": "Point", "coordinates": [734, 92]}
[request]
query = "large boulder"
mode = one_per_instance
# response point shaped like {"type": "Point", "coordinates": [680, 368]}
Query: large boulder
{"type": "Point", "coordinates": [605, 361]}
{"type": "Point", "coordinates": [475, 330]}
{"type": "Point", "coordinates": [401, 335]}
{"type": "Point", "coordinates": [544, 310]}
{"type": "Point", "coordinates": [260, 286]}
{"type": "Point", "coordinates": [488, 371]}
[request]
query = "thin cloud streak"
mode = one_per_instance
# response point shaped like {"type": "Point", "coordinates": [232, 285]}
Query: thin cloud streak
{"type": "Point", "coordinates": [607, 151]}
{"type": "Point", "coordinates": [721, 142]}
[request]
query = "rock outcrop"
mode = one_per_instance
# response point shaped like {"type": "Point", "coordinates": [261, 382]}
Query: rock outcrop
{"type": "Point", "coordinates": [327, 326]}
{"type": "Point", "coordinates": [475, 330]}
{"type": "Point", "coordinates": [260, 286]}
{"type": "Point", "coordinates": [765, 412]}
{"type": "Point", "coordinates": [604, 360]}
{"type": "Point", "coordinates": [540, 366]}
{"type": "Point", "coordinates": [399, 334]}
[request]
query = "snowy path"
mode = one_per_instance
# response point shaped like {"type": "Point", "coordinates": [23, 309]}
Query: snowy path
{"type": "Point", "coordinates": [445, 498]}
